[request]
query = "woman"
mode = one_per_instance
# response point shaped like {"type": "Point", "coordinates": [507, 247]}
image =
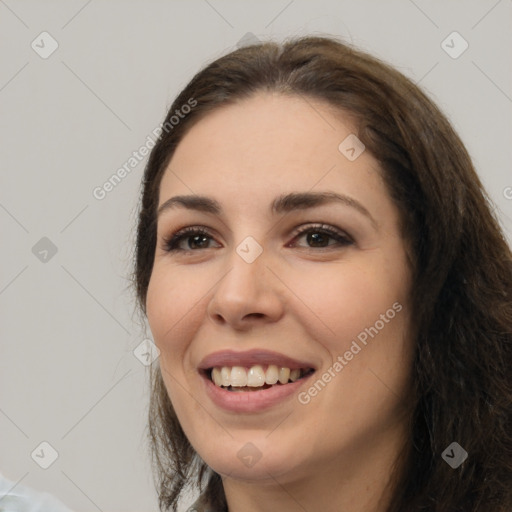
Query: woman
{"type": "Point", "coordinates": [329, 290]}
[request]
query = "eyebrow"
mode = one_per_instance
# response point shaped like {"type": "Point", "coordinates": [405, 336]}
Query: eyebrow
{"type": "Point", "coordinates": [281, 204]}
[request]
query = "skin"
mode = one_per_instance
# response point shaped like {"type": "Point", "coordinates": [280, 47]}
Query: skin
{"type": "Point", "coordinates": [304, 301]}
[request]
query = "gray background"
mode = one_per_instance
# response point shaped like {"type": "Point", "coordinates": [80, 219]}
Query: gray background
{"type": "Point", "coordinates": [68, 374]}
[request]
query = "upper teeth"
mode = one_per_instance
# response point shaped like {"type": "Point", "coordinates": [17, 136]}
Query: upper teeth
{"type": "Point", "coordinates": [255, 376]}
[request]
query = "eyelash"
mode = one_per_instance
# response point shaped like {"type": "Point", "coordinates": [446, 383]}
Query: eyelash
{"type": "Point", "coordinates": [170, 244]}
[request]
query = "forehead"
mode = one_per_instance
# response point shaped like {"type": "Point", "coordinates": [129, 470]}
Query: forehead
{"type": "Point", "coordinates": [267, 144]}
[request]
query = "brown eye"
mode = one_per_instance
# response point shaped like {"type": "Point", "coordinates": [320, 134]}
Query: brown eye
{"type": "Point", "coordinates": [195, 238]}
{"type": "Point", "coordinates": [320, 236]}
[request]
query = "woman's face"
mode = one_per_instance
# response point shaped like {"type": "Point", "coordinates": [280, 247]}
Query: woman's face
{"type": "Point", "coordinates": [284, 275]}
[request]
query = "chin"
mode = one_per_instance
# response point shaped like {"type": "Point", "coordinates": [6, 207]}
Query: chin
{"type": "Point", "coordinates": [252, 461]}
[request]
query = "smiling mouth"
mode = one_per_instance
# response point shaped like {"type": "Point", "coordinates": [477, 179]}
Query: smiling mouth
{"type": "Point", "coordinates": [254, 378]}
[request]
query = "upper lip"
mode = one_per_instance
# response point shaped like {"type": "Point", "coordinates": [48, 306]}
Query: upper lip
{"type": "Point", "coordinates": [250, 358]}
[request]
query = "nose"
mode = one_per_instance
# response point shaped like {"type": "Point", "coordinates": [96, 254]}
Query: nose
{"type": "Point", "coordinates": [249, 294]}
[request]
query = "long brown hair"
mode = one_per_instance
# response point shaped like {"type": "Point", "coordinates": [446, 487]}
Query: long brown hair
{"type": "Point", "coordinates": [461, 297]}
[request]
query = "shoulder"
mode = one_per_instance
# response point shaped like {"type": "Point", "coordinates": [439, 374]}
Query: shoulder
{"type": "Point", "coordinates": [20, 498]}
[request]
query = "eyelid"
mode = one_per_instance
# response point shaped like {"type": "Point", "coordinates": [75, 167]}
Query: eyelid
{"type": "Point", "coordinates": [174, 237]}
{"type": "Point", "coordinates": [342, 238]}
{"type": "Point", "coordinates": [332, 231]}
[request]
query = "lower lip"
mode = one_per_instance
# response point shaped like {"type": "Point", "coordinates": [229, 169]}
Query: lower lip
{"type": "Point", "coordinates": [251, 401]}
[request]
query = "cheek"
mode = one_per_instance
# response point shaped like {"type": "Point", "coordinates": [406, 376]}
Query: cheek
{"type": "Point", "coordinates": [169, 314]}
{"type": "Point", "coordinates": [344, 300]}
{"type": "Point", "coordinates": [167, 305]}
